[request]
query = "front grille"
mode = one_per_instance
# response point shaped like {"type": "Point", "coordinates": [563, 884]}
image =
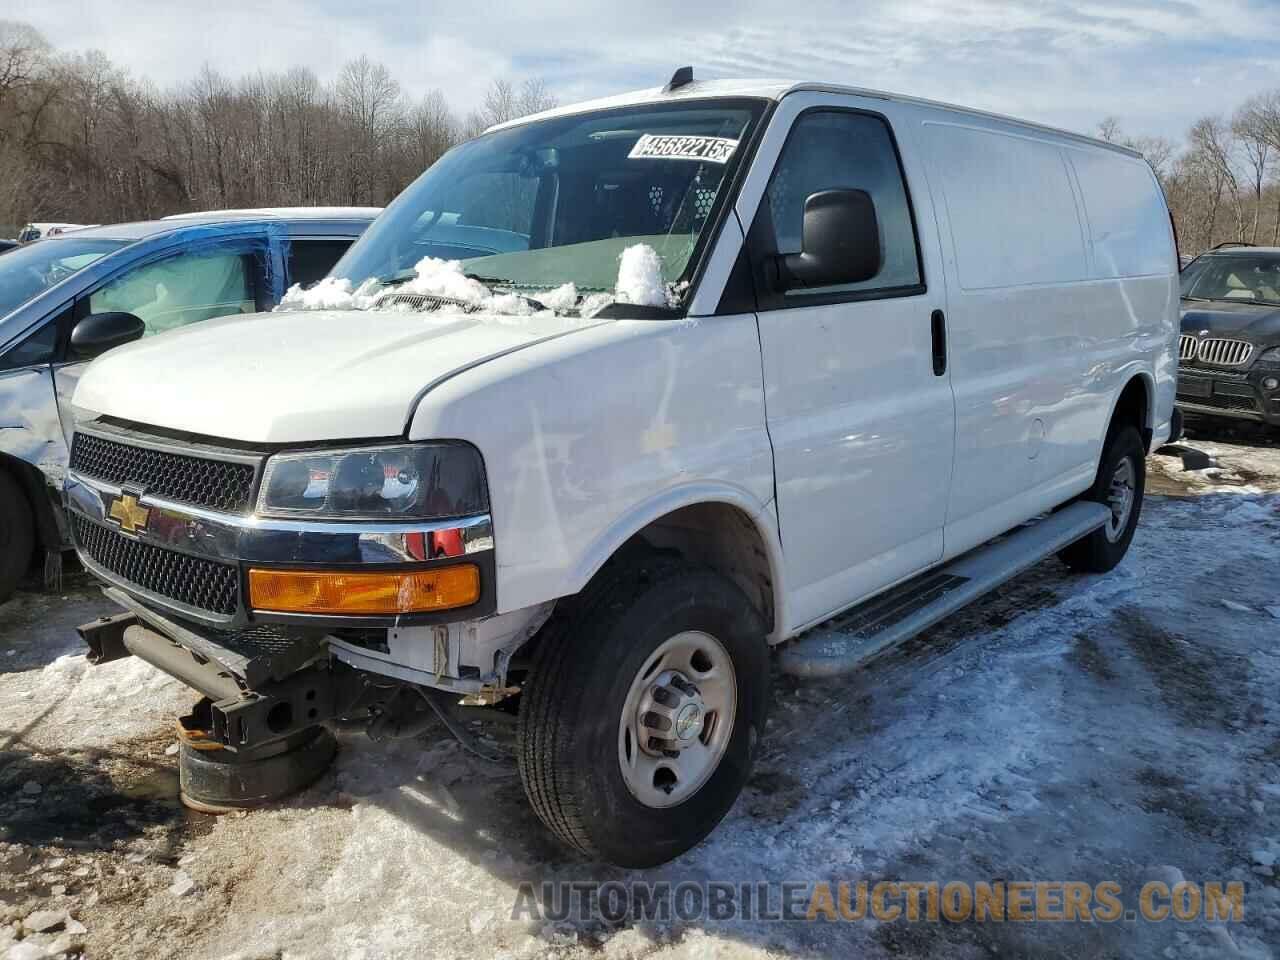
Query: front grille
{"type": "Point", "coordinates": [199, 481]}
{"type": "Point", "coordinates": [1224, 353]}
{"type": "Point", "coordinates": [192, 581]}
{"type": "Point", "coordinates": [1188, 346]}
{"type": "Point", "coordinates": [1221, 401]}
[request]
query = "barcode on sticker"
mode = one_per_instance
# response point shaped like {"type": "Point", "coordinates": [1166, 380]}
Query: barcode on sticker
{"type": "Point", "coordinates": [653, 146]}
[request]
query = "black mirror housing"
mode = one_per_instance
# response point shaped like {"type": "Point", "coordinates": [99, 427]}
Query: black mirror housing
{"type": "Point", "coordinates": [840, 242]}
{"type": "Point", "coordinates": [100, 332]}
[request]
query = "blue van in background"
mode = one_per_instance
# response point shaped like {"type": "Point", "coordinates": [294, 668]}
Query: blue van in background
{"type": "Point", "coordinates": [68, 298]}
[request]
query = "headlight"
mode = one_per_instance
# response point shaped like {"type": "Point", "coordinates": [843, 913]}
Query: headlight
{"type": "Point", "coordinates": [1270, 356]}
{"type": "Point", "coordinates": [418, 481]}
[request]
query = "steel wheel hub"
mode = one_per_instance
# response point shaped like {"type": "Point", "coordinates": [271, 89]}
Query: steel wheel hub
{"type": "Point", "coordinates": [677, 719]}
{"type": "Point", "coordinates": [1120, 499]}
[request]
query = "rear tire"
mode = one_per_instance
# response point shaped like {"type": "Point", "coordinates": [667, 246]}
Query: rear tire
{"type": "Point", "coordinates": [17, 535]}
{"type": "Point", "coordinates": [629, 798]}
{"type": "Point", "coordinates": [1120, 484]}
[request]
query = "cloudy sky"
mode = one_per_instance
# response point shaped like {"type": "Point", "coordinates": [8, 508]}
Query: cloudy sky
{"type": "Point", "coordinates": [1155, 64]}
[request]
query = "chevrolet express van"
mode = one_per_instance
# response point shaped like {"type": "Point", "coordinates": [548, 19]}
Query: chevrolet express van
{"type": "Point", "coordinates": [613, 401]}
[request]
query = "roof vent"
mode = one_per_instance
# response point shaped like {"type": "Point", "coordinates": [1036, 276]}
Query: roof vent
{"type": "Point", "coordinates": [682, 77]}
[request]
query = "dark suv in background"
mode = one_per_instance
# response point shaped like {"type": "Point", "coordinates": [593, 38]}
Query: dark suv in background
{"type": "Point", "coordinates": [1229, 356]}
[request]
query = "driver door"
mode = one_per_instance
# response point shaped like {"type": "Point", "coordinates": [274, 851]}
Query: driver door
{"type": "Point", "coordinates": [861, 417]}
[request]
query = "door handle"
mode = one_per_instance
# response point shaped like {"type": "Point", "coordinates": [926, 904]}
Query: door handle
{"type": "Point", "coordinates": [939, 323]}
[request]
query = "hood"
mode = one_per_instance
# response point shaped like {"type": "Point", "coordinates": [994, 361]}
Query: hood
{"type": "Point", "coordinates": [300, 376]}
{"type": "Point", "coordinates": [1256, 322]}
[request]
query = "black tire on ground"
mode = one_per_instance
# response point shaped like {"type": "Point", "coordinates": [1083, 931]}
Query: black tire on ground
{"type": "Point", "coordinates": [571, 707]}
{"type": "Point", "coordinates": [1101, 550]}
{"type": "Point", "coordinates": [17, 534]}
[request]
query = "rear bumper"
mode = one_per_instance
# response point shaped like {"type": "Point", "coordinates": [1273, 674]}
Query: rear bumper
{"type": "Point", "coordinates": [1235, 395]}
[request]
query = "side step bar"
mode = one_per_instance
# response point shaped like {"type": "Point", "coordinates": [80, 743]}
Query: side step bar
{"type": "Point", "coordinates": [846, 642]}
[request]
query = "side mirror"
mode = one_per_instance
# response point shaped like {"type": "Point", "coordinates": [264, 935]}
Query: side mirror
{"type": "Point", "coordinates": [839, 243]}
{"type": "Point", "coordinates": [100, 332]}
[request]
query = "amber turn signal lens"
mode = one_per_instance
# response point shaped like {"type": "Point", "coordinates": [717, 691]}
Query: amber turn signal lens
{"type": "Point", "coordinates": [364, 592]}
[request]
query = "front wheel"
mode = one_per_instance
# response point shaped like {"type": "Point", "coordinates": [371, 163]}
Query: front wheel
{"type": "Point", "coordinates": [1120, 484]}
{"type": "Point", "coordinates": [642, 709]}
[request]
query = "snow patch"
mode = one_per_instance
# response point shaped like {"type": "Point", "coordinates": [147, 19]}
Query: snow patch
{"type": "Point", "coordinates": [564, 297]}
{"type": "Point", "coordinates": [639, 282]}
{"type": "Point", "coordinates": [332, 293]}
{"type": "Point", "coordinates": [640, 277]}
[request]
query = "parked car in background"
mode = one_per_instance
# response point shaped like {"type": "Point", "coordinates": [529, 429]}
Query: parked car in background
{"type": "Point", "coordinates": [68, 298]}
{"type": "Point", "coordinates": [765, 355]}
{"type": "Point", "coordinates": [1229, 351]}
{"type": "Point", "coordinates": [40, 231]}
{"type": "Point", "coordinates": [7, 245]}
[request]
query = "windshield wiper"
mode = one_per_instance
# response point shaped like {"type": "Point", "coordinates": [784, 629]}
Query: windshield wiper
{"type": "Point", "coordinates": [404, 276]}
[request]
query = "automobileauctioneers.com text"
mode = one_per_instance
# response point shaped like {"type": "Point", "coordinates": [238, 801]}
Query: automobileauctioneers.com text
{"type": "Point", "coordinates": [956, 901]}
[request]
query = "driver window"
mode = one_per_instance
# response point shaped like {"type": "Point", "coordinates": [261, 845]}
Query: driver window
{"type": "Point", "coordinates": [829, 150]}
{"type": "Point", "coordinates": [182, 290]}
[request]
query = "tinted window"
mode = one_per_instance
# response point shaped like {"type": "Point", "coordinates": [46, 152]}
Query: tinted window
{"type": "Point", "coordinates": [181, 290]}
{"type": "Point", "coordinates": [310, 260]}
{"type": "Point", "coordinates": [1253, 279]}
{"type": "Point", "coordinates": [835, 150]}
{"type": "Point", "coordinates": [32, 269]}
{"type": "Point", "coordinates": [37, 348]}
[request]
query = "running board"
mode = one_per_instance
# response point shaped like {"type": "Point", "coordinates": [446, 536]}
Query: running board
{"type": "Point", "coordinates": [847, 641]}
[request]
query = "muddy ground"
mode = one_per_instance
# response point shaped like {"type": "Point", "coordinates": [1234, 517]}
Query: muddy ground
{"type": "Point", "coordinates": [1116, 728]}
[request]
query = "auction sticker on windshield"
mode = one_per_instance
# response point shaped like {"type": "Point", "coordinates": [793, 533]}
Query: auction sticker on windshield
{"type": "Point", "coordinates": [656, 146]}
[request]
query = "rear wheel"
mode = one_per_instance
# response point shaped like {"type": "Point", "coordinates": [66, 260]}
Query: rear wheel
{"type": "Point", "coordinates": [17, 534]}
{"type": "Point", "coordinates": [642, 710]}
{"type": "Point", "coordinates": [1119, 486]}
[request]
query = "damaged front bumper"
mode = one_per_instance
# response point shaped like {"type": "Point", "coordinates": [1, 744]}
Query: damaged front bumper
{"type": "Point", "coordinates": [182, 574]}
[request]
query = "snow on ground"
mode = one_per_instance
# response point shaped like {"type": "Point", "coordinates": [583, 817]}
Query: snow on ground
{"type": "Point", "coordinates": [639, 282]}
{"type": "Point", "coordinates": [1121, 728]}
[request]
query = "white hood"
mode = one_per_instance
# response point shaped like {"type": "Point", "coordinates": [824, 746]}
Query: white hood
{"type": "Point", "coordinates": [299, 376]}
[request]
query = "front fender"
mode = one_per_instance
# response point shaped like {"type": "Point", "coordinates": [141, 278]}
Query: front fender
{"type": "Point", "coordinates": [633, 521]}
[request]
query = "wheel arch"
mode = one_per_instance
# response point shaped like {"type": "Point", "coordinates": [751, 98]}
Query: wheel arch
{"type": "Point", "coordinates": [1135, 402]}
{"type": "Point", "coordinates": [35, 486]}
{"type": "Point", "coordinates": [715, 524]}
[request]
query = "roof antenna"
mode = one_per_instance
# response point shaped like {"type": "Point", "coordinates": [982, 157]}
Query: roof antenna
{"type": "Point", "coordinates": [682, 77]}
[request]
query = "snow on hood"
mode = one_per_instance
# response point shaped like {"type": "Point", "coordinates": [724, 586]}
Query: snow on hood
{"type": "Point", "coordinates": [640, 282]}
{"type": "Point", "coordinates": [303, 375]}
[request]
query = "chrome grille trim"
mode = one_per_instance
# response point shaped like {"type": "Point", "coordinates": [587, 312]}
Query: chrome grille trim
{"type": "Point", "coordinates": [1188, 347]}
{"type": "Point", "coordinates": [1225, 353]}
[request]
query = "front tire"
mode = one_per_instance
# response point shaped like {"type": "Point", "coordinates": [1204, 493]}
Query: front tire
{"type": "Point", "coordinates": [642, 709]}
{"type": "Point", "coordinates": [1120, 485]}
{"type": "Point", "coordinates": [17, 535]}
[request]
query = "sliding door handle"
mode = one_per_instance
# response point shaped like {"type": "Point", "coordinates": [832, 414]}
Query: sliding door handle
{"type": "Point", "coordinates": [939, 323]}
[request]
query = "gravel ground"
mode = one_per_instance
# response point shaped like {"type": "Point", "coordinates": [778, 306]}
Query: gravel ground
{"type": "Point", "coordinates": [1117, 728]}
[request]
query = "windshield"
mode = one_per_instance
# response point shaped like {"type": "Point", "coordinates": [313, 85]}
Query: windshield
{"type": "Point", "coordinates": [557, 201]}
{"type": "Point", "coordinates": [1247, 278]}
{"type": "Point", "coordinates": [34, 268]}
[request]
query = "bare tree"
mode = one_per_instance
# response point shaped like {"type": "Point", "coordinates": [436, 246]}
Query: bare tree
{"type": "Point", "coordinates": [1249, 126]}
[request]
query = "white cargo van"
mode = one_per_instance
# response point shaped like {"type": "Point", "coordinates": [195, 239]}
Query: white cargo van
{"type": "Point", "coordinates": [611, 401]}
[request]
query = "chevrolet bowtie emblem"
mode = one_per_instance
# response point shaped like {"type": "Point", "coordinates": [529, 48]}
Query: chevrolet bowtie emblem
{"type": "Point", "coordinates": [129, 513]}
